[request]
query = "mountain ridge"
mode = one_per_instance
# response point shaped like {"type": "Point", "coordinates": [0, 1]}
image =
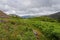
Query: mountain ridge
{"type": "Point", "coordinates": [3, 15]}
{"type": "Point", "coordinates": [55, 16]}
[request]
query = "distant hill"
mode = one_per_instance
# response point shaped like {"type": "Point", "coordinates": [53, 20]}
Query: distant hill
{"type": "Point", "coordinates": [3, 15]}
{"type": "Point", "coordinates": [55, 16]}
{"type": "Point", "coordinates": [28, 16]}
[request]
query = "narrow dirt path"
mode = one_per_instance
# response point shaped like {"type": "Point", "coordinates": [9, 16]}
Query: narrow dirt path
{"type": "Point", "coordinates": [39, 35]}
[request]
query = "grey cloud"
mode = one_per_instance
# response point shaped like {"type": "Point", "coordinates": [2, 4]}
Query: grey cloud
{"type": "Point", "coordinates": [24, 7]}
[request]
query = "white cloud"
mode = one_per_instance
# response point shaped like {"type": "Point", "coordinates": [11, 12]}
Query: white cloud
{"type": "Point", "coordinates": [3, 1]}
{"type": "Point", "coordinates": [26, 2]}
{"type": "Point", "coordinates": [30, 7]}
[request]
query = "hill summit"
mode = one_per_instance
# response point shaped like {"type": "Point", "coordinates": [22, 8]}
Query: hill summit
{"type": "Point", "coordinates": [3, 15]}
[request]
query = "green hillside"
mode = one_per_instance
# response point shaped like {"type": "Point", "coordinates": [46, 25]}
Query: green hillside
{"type": "Point", "coordinates": [38, 28]}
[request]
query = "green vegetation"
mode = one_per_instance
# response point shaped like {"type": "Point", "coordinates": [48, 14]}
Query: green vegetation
{"type": "Point", "coordinates": [38, 28]}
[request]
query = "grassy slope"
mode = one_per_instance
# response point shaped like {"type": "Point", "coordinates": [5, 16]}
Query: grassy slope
{"type": "Point", "coordinates": [24, 29]}
{"type": "Point", "coordinates": [51, 30]}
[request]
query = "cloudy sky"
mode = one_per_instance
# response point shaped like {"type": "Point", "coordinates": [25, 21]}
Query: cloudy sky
{"type": "Point", "coordinates": [30, 7]}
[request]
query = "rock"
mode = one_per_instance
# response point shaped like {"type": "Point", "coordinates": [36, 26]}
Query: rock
{"type": "Point", "coordinates": [35, 32]}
